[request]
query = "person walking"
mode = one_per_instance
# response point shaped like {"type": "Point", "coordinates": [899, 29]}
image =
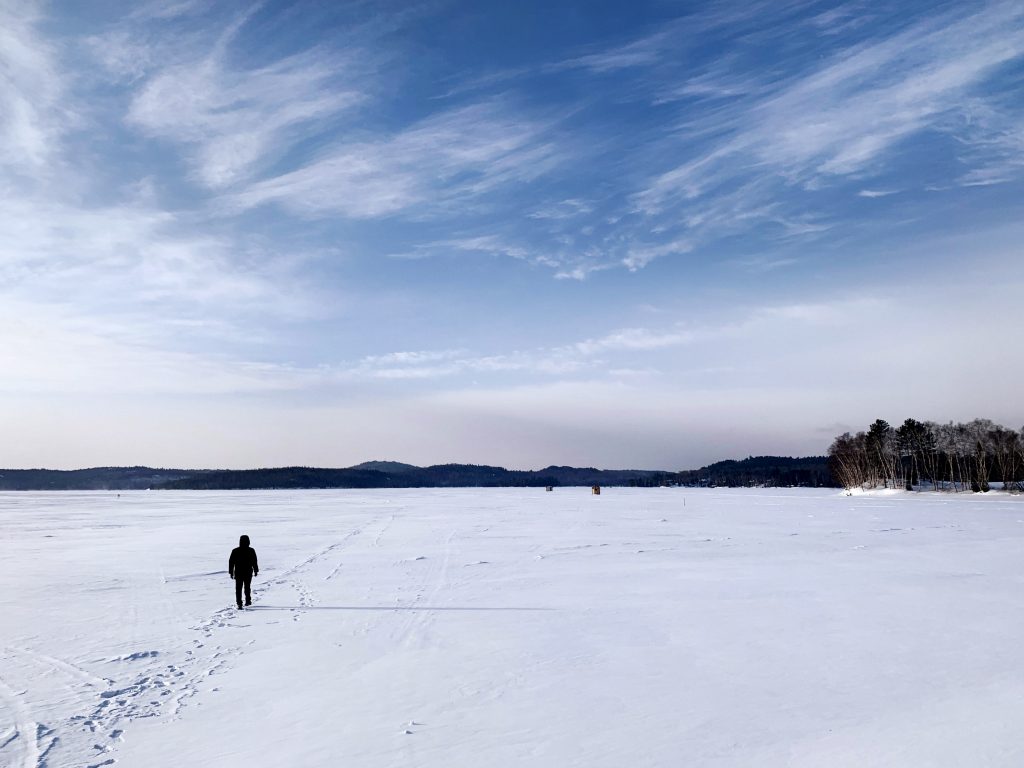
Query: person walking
{"type": "Point", "coordinates": [242, 566]}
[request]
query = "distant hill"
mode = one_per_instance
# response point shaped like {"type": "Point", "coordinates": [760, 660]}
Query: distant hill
{"type": "Point", "coordinates": [386, 474]}
{"type": "Point", "coordinates": [755, 470]}
{"type": "Point", "coordinates": [279, 477]}
{"type": "Point", "coordinates": [809, 471]}
{"type": "Point", "coordinates": [95, 479]}
{"type": "Point", "coordinates": [371, 474]}
{"type": "Point", "coordinates": [395, 467]}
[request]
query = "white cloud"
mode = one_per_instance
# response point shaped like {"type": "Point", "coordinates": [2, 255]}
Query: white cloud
{"type": "Point", "coordinates": [765, 264]}
{"type": "Point", "coordinates": [47, 349]}
{"type": "Point", "coordinates": [447, 159]}
{"type": "Point", "coordinates": [442, 364]}
{"type": "Point", "coordinates": [236, 120]}
{"type": "Point", "coordinates": [640, 256]}
{"type": "Point", "coordinates": [993, 143]}
{"type": "Point", "coordinates": [481, 244]}
{"type": "Point", "coordinates": [632, 339]}
{"type": "Point", "coordinates": [638, 53]}
{"type": "Point", "coordinates": [845, 118]}
{"type": "Point", "coordinates": [165, 9]}
{"type": "Point", "coordinates": [562, 210]}
{"type": "Point", "coordinates": [587, 355]}
{"type": "Point", "coordinates": [131, 255]}
{"type": "Point", "coordinates": [33, 110]}
{"type": "Point", "coordinates": [676, 36]}
{"type": "Point", "coordinates": [583, 268]}
{"type": "Point", "coordinates": [412, 358]}
{"type": "Point", "coordinates": [99, 283]}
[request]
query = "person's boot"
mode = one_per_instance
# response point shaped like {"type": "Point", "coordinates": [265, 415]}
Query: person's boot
{"type": "Point", "coordinates": [248, 602]}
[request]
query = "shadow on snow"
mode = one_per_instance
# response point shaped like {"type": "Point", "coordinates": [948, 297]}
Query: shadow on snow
{"type": "Point", "coordinates": [383, 608]}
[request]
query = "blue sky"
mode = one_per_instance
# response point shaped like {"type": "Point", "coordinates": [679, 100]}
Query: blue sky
{"type": "Point", "coordinates": [594, 233]}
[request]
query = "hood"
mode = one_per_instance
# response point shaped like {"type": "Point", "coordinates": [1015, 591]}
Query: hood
{"type": "Point", "coordinates": [243, 541]}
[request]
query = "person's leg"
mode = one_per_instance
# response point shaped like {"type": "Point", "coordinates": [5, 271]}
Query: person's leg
{"type": "Point", "coordinates": [248, 590]}
{"type": "Point", "coordinates": [238, 590]}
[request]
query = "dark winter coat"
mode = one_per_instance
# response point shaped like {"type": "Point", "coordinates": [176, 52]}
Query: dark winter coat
{"type": "Point", "coordinates": [242, 564]}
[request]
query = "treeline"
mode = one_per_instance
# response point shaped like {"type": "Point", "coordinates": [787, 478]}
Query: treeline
{"type": "Point", "coordinates": [761, 471]}
{"type": "Point", "coordinates": [396, 475]}
{"type": "Point", "coordinates": [752, 471]}
{"type": "Point", "coordinates": [924, 454]}
{"type": "Point", "coordinates": [93, 479]}
{"type": "Point", "coordinates": [380, 474]}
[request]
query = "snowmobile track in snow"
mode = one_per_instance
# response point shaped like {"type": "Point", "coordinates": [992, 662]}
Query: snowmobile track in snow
{"type": "Point", "coordinates": [26, 731]}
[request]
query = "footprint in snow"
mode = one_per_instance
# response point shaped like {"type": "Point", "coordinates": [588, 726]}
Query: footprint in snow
{"type": "Point", "coordinates": [135, 656]}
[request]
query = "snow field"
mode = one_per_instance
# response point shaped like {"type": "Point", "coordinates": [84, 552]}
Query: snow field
{"type": "Point", "coordinates": [510, 627]}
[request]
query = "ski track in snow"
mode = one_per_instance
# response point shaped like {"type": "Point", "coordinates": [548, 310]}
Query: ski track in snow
{"type": "Point", "coordinates": [436, 576]}
{"type": "Point", "coordinates": [79, 685]}
{"type": "Point", "coordinates": [25, 739]}
{"type": "Point", "coordinates": [72, 670]}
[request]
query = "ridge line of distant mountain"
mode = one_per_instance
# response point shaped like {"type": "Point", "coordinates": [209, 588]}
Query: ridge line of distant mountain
{"type": "Point", "coordinates": [760, 470]}
{"type": "Point", "coordinates": [371, 474]}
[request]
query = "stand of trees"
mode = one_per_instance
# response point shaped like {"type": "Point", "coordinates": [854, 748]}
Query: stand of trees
{"type": "Point", "coordinates": [760, 471]}
{"type": "Point", "coordinates": [951, 456]}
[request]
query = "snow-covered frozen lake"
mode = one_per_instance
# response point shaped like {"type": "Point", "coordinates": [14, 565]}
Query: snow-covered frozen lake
{"type": "Point", "coordinates": [513, 627]}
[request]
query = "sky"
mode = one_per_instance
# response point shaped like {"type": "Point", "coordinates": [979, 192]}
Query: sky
{"type": "Point", "coordinates": [615, 234]}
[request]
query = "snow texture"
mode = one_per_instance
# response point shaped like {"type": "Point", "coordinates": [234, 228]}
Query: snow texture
{"type": "Point", "coordinates": [512, 627]}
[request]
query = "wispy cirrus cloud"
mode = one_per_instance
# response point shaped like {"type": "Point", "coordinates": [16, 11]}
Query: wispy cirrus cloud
{"type": "Point", "coordinates": [721, 80]}
{"type": "Point", "coordinates": [643, 339]}
{"type": "Point", "coordinates": [645, 52]}
{"type": "Point", "coordinates": [624, 352]}
{"type": "Point", "coordinates": [993, 143]}
{"type": "Point", "coordinates": [568, 260]}
{"type": "Point", "coordinates": [453, 157]}
{"type": "Point", "coordinates": [755, 149]}
{"type": "Point", "coordinates": [236, 120]}
{"type": "Point", "coordinates": [134, 260]}
{"type": "Point", "coordinates": [562, 210]}
{"type": "Point", "coordinates": [674, 38]}
{"type": "Point", "coordinates": [443, 364]}
{"type": "Point", "coordinates": [639, 255]}
{"type": "Point", "coordinates": [751, 152]}
{"type": "Point", "coordinates": [81, 237]}
{"type": "Point", "coordinates": [589, 356]}
{"type": "Point", "coordinates": [49, 349]}
{"type": "Point", "coordinates": [34, 113]}
{"type": "Point", "coordinates": [844, 118]}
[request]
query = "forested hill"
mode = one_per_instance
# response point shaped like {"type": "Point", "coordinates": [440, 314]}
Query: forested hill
{"type": "Point", "coordinates": [756, 470]}
{"type": "Point", "coordinates": [94, 479]}
{"type": "Point", "coordinates": [375, 474]}
{"type": "Point", "coordinates": [810, 471]}
{"type": "Point", "coordinates": [394, 475]}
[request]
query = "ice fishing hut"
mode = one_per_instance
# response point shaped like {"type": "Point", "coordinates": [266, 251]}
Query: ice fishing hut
{"type": "Point", "coordinates": [596, 490]}
{"type": "Point", "coordinates": [549, 488]}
